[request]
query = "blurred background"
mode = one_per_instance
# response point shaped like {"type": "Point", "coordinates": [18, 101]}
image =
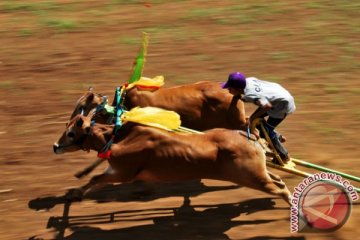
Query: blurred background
{"type": "Point", "coordinates": [52, 51]}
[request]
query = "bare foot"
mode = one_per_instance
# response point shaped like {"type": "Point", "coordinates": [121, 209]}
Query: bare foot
{"type": "Point", "coordinates": [282, 139]}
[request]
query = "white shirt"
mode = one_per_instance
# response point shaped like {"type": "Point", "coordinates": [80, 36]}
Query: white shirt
{"type": "Point", "coordinates": [281, 100]}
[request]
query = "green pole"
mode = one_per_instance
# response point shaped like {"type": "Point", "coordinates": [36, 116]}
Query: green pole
{"type": "Point", "coordinates": [296, 171]}
{"type": "Point", "coordinates": [311, 165]}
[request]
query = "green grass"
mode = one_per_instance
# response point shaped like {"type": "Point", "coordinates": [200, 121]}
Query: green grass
{"type": "Point", "coordinates": [182, 34]}
{"type": "Point", "coordinates": [351, 48]}
{"type": "Point", "coordinates": [345, 6]}
{"type": "Point", "coordinates": [319, 70]}
{"type": "Point", "coordinates": [21, 130]}
{"type": "Point", "coordinates": [255, 12]}
{"type": "Point", "coordinates": [355, 90]}
{"type": "Point", "coordinates": [332, 89]}
{"type": "Point", "coordinates": [25, 33]}
{"type": "Point", "coordinates": [62, 25]}
{"type": "Point", "coordinates": [97, 13]}
{"type": "Point", "coordinates": [357, 114]}
{"type": "Point", "coordinates": [137, 2]}
{"type": "Point", "coordinates": [222, 15]}
{"type": "Point", "coordinates": [171, 32]}
{"type": "Point", "coordinates": [283, 32]}
{"type": "Point", "coordinates": [129, 40]}
{"type": "Point", "coordinates": [280, 56]}
{"type": "Point", "coordinates": [12, 6]}
{"type": "Point", "coordinates": [7, 85]}
{"type": "Point", "coordinates": [234, 36]}
{"type": "Point", "coordinates": [201, 13]}
{"type": "Point", "coordinates": [202, 57]}
{"type": "Point", "coordinates": [125, 1]}
{"type": "Point", "coordinates": [158, 29]}
{"type": "Point", "coordinates": [339, 100]}
{"type": "Point", "coordinates": [334, 40]}
{"type": "Point", "coordinates": [313, 5]}
{"type": "Point", "coordinates": [336, 5]}
{"type": "Point", "coordinates": [20, 6]}
{"type": "Point", "coordinates": [315, 26]}
{"type": "Point", "coordinates": [302, 100]}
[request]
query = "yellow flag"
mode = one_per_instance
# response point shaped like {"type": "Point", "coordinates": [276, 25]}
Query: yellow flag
{"type": "Point", "coordinates": [140, 60]}
{"type": "Point", "coordinates": [155, 117]}
{"type": "Point", "coordinates": [148, 84]}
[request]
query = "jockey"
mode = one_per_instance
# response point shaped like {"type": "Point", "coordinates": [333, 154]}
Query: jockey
{"type": "Point", "coordinates": [273, 100]}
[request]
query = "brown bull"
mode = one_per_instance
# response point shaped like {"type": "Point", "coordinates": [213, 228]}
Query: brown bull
{"type": "Point", "coordinates": [201, 106]}
{"type": "Point", "coordinates": [145, 153]}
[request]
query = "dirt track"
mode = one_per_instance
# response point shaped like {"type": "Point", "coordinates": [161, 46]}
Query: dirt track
{"type": "Point", "coordinates": [50, 53]}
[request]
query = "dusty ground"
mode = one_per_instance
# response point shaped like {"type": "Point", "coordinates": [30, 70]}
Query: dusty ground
{"type": "Point", "coordinates": [51, 51]}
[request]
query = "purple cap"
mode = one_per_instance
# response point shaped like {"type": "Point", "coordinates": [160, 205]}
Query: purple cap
{"type": "Point", "coordinates": [235, 80]}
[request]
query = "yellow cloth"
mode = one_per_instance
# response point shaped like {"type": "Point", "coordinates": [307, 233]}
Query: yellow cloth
{"type": "Point", "coordinates": [149, 84]}
{"type": "Point", "coordinates": [155, 117]}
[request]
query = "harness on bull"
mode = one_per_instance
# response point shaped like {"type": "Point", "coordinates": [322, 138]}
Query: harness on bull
{"type": "Point", "coordinates": [149, 116]}
{"type": "Point", "coordinates": [115, 111]}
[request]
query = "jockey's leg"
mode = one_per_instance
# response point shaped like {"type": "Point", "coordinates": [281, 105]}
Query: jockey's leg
{"type": "Point", "coordinates": [280, 148]}
{"type": "Point", "coordinates": [272, 123]}
{"type": "Point", "coordinates": [275, 137]}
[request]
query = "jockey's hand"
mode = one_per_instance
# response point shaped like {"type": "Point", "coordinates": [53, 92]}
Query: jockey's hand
{"type": "Point", "coordinates": [256, 133]}
{"type": "Point", "coordinates": [247, 120]}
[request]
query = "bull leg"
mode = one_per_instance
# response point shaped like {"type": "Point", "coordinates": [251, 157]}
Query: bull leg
{"type": "Point", "coordinates": [274, 176]}
{"type": "Point", "coordinates": [283, 193]}
{"type": "Point", "coordinates": [269, 183]}
{"type": "Point", "coordinates": [276, 187]}
{"type": "Point", "coordinates": [277, 180]}
{"type": "Point", "coordinates": [94, 183]}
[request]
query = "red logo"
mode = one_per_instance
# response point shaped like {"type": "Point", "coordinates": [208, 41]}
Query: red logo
{"type": "Point", "coordinates": [325, 206]}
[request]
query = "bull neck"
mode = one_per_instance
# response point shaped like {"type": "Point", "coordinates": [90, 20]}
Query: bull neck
{"type": "Point", "coordinates": [101, 135]}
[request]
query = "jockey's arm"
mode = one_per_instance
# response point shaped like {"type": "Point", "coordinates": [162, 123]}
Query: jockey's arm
{"type": "Point", "coordinates": [261, 110]}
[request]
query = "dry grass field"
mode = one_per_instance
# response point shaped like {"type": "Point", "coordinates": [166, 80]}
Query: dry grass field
{"type": "Point", "coordinates": [52, 51]}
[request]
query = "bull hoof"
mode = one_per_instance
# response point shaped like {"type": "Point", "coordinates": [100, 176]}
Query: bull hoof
{"type": "Point", "coordinates": [74, 195]}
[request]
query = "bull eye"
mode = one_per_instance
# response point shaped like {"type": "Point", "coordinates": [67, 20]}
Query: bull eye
{"type": "Point", "coordinates": [79, 122]}
{"type": "Point", "coordinates": [71, 134]}
{"type": "Point", "coordinates": [87, 130]}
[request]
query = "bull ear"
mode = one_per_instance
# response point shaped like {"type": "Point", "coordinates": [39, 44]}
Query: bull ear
{"type": "Point", "coordinates": [79, 122]}
{"type": "Point", "coordinates": [90, 97]}
{"type": "Point", "coordinates": [91, 89]}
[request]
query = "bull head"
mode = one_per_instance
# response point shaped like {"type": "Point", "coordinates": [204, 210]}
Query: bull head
{"type": "Point", "coordinates": [87, 103]}
{"type": "Point", "coordinates": [74, 136]}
